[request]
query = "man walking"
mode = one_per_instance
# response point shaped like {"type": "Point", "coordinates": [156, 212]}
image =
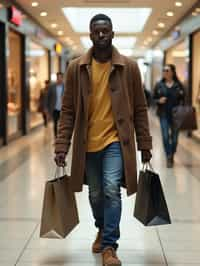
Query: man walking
{"type": "Point", "coordinates": [54, 100]}
{"type": "Point", "coordinates": [104, 105]}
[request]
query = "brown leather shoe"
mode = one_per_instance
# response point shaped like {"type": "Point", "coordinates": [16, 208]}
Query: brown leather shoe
{"type": "Point", "coordinates": [96, 246]}
{"type": "Point", "coordinates": [110, 258]}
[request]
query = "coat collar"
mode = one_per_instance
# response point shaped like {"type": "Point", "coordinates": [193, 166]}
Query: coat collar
{"type": "Point", "coordinates": [117, 58]}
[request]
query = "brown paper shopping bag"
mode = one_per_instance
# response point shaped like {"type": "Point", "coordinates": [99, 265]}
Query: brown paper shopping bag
{"type": "Point", "coordinates": [59, 213]}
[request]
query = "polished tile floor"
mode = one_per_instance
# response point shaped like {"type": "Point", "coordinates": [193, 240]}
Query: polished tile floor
{"type": "Point", "coordinates": [26, 164]}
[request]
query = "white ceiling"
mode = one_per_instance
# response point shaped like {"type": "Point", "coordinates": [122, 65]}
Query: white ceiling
{"type": "Point", "coordinates": [72, 38]}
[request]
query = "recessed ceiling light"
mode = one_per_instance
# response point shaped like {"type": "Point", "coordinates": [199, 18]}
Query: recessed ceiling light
{"type": "Point", "coordinates": [170, 14]}
{"type": "Point", "coordinates": [43, 14]}
{"type": "Point", "coordinates": [149, 39]}
{"type": "Point", "coordinates": [155, 32]}
{"type": "Point", "coordinates": [79, 17]}
{"type": "Point", "coordinates": [69, 40]}
{"type": "Point", "coordinates": [179, 4]}
{"type": "Point", "coordinates": [34, 4]}
{"type": "Point", "coordinates": [194, 14]}
{"type": "Point", "coordinates": [60, 32]}
{"type": "Point", "coordinates": [54, 25]}
{"type": "Point", "coordinates": [161, 25]}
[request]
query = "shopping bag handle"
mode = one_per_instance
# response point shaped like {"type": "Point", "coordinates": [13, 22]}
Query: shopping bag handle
{"type": "Point", "coordinates": [57, 171]}
{"type": "Point", "coordinates": [147, 166]}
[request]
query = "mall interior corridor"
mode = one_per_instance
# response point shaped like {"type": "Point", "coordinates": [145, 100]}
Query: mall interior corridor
{"type": "Point", "coordinates": [28, 163]}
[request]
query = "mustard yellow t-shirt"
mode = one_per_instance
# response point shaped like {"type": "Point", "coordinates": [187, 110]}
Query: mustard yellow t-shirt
{"type": "Point", "coordinates": [101, 130]}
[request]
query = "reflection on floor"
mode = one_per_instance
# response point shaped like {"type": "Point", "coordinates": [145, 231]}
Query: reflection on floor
{"type": "Point", "coordinates": [27, 163]}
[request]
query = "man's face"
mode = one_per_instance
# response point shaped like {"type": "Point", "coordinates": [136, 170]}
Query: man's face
{"type": "Point", "coordinates": [59, 78]}
{"type": "Point", "coordinates": [101, 34]}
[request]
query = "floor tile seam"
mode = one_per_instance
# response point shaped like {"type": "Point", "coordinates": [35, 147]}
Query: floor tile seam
{"type": "Point", "coordinates": [185, 150]}
{"type": "Point", "coordinates": [25, 160]}
{"type": "Point", "coordinates": [19, 219]}
{"type": "Point", "coordinates": [188, 171]}
{"type": "Point", "coordinates": [26, 245]}
{"type": "Point", "coordinates": [25, 144]}
{"type": "Point", "coordinates": [153, 121]}
{"type": "Point", "coordinates": [162, 248]}
{"type": "Point", "coordinates": [82, 250]}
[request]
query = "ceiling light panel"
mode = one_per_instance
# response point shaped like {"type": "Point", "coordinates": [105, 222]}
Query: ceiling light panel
{"type": "Point", "coordinates": [43, 14]}
{"type": "Point", "coordinates": [170, 14]}
{"type": "Point", "coordinates": [118, 42]}
{"type": "Point", "coordinates": [179, 4]}
{"type": "Point", "coordinates": [34, 4]}
{"type": "Point", "coordinates": [135, 18]}
{"type": "Point", "coordinates": [161, 25]}
{"type": "Point", "coordinates": [54, 25]}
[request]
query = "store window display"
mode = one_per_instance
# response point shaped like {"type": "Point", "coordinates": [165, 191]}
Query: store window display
{"type": "Point", "coordinates": [55, 66]}
{"type": "Point", "coordinates": [14, 83]}
{"type": "Point", "coordinates": [196, 79]}
{"type": "Point", "coordinates": [38, 73]}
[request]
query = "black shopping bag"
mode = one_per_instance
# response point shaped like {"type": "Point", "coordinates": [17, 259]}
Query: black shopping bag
{"type": "Point", "coordinates": [150, 206]}
{"type": "Point", "coordinates": [59, 213]}
{"type": "Point", "coordinates": [184, 117]}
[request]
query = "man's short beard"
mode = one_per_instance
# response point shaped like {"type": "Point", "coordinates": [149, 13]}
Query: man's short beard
{"type": "Point", "coordinates": [104, 47]}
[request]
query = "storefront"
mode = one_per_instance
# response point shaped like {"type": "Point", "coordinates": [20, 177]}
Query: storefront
{"type": "Point", "coordinates": [37, 58]}
{"type": "Point", "coordinates": [26, 63]}
{"type": "Point", "coordinates": [182, 48]}
{"type": "Point", "coordinates": [2, 83]}
{"type": "Point", "coordinates": [55, 65]}
{"type": "Point", "coordinates": [196, 77]}
{"type": "Point", "coordinates": [14, 84]}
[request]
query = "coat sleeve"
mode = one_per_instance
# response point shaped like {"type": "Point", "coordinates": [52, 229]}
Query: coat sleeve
{"type": "Point", "coordinates": [67, 116]}
{"type": "Point", "coordinates": [141, 123]}
{"type": "Point", "coordinates": [156, 94]}
{"type": "Point", "coordinates": [49, 99]}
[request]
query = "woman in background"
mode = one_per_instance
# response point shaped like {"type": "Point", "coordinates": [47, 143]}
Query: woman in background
{"type": "Point", "coordinates": [43, 102]}
{"type": "Point", "coordinates": [168, 93]}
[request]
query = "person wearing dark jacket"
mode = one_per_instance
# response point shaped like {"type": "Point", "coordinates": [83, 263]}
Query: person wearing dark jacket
{"type": "Point", "coordinates": [168, 93]}
{"type": "Point", "coordinates": [43, 108]}
{"type": "Point", "coordinates": [54, 100]}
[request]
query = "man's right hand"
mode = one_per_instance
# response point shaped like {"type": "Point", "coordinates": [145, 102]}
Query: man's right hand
{"type": "Point", "coordinates": [60, 159]}
{"type": "Point", "coordinates": [162, 100]}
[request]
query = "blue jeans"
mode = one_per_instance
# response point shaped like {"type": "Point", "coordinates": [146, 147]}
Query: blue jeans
{"type": "Point", "coordinates": [104, 171]}
{"type": "Point", "coordinates": [169, 135]}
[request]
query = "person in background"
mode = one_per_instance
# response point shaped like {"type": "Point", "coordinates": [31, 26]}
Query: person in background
{"type": "Point", "coordinates": [198, 97]}
{"type": "Point", "coordinates": [104, 105]}
{"type": "Point", "coordinates": [54, 100]}
{"type": "Point", "coordinates": [147, 95]}
{"type": "Point", "coordinates": [43, 102]}
{"type": "Point", "coordinates": [168, 93]}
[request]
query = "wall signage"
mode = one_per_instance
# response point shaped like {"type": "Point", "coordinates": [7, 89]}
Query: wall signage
{"type": "Point", "coordinates": [15, 16]}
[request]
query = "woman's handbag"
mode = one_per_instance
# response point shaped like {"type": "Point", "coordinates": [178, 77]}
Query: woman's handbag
{"type": "Point", "coordinates": [59, 214]}
{"type": "Point", "coordinates": [184, 117]}
{"type": "Point", "coordinates": [150, 206]}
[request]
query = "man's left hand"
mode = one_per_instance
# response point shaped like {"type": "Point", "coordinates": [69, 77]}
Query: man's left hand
{"type": "Point", "coordinates": [146, 156]}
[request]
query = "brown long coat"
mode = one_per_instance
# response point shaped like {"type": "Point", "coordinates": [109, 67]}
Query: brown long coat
{"type": "Point", "coordinates": [129, 109]}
